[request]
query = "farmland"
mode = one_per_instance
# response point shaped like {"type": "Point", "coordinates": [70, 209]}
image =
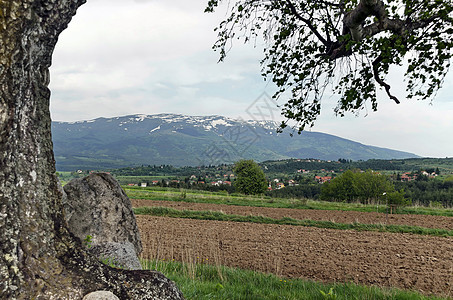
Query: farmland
{"type": "Point", "coordinates": [419, 261]}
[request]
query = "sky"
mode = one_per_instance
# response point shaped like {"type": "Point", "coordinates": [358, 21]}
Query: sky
{"type": "Point", "coordinates": [122, 57]}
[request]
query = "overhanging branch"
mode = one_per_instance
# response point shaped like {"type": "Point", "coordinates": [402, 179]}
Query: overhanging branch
{"type": "Point", "coordinates": [307, 22]}
{"type": "Point", "coordinates": [379, 80]}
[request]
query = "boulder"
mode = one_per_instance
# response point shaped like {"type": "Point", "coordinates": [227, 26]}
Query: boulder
{"type": "Point", "coordinates": [120, 255]}
{"type": "Point", "coordinates": [97, 206]}
{"type": "Point", "coordinates": [101, 295]}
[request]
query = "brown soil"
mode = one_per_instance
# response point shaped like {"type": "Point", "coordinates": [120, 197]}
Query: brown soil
{"type": "Point", "coordinates": [422, 263]}
{"type": "Point", "coordinates": [302, 214]}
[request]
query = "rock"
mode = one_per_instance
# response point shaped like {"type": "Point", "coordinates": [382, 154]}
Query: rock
{"type": "Point", "coordinates": [97, 206]}
{"type": "Point", "coordinates": [101, 295]}
{"type": "Point", "coordinates": [61, 190]}
{"type": "Point", "coordinates": [121, 255]}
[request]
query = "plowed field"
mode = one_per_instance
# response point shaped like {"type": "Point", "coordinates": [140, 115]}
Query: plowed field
{"type": "Point", "coordinates": [422, 263]}
{"type": "Point", "coordinates": [310, 214]}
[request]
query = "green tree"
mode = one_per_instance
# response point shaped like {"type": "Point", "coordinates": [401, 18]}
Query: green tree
{"type": "Point", "coordinates": [397, 198]}
{"type": "Point", "coordinates": [355, 185]}
{"type": "Point", "coordinates": [371, 185]}
{"type": "Point", "coordinates": [339, 188]}
{"type": "Point", "coordinates": [348, 45]}
{"type": "Point", "coordinates": [250, 178]}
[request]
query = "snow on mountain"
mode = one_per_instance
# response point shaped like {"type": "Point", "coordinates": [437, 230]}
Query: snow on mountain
{"type": "Point", "coordinates": [157, 128]}
{"type": "Point", "coordinates": [206, 122]}
{"type": "Point", "coordinates": [180, 140]}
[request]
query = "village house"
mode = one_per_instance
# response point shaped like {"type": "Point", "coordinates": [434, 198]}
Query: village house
{"type": "Point", "coordinates": [280, 185]}
{"type": "Point", "coordinates": [324, 179]}
{"type": "Point", "coordinates": [430, 175]}
{"type": "Point", "coordinates": [220, 182]}
{"type": "Point", "coordinates": [408, 177]}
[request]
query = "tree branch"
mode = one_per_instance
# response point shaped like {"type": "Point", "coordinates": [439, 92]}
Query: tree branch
{"type": "Point", "coordinates": [394, 25]}
{"type": "Point", "coordinates": [307, 22]}
{"type": "Point", "coordinates": [379, 80]}
{"type": "Point", "coordinates": [354, 19]}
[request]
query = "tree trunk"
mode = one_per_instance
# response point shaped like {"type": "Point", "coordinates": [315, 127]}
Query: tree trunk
{"type": "Point", "coordinates": [39, 258]}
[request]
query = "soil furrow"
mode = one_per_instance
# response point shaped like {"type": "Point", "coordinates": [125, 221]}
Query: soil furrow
{"type": "Point", "coordinates": [318, 215]}
{"type": "Point", "coordinates": [422, 263]}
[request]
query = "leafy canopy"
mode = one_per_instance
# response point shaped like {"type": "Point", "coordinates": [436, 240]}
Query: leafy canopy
{"type": "Point", "coordinates": [354, 185]}
{"type": "Point", "coordinates": [250, 178]}
{"type": "Point", "coordinates": [348, 45]}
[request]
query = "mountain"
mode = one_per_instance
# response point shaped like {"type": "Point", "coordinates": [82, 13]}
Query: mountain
{"type": "Point", "coordinates": [181, 140]}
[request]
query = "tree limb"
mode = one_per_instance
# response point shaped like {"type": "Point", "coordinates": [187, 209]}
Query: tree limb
{"type": "Point", "coordinates": [379, 80]}
{"type": "Point", "coordinates": [307, 22]}
{"type": "Point", "coordinates": [354, 19]}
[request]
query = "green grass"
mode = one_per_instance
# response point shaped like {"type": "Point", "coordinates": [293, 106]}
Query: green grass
{"type": "Point", "coordinates": [202, 281]}
{"type": "Point", "coordinates": [220, 216]}
{"type": "Point", "coordinates": [197, 196]}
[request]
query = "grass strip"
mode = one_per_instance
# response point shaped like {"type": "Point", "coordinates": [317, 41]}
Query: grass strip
{"type": "Point", "coordinates": [202, 281]}
{"type": "Point", "coordinates": [220, 216]}
{"type": "Point", "coordinates": [169, 194]}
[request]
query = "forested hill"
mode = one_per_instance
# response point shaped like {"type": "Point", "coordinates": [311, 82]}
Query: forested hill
{"type": "Point", "coordinates": [290, 166]}
{"type": "Point", "coordinates": [178, 140]}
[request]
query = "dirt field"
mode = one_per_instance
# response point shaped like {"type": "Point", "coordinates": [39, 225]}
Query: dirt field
{"type": "Point", "coordinates": [414, 262]}
{"type": "Point", "coordinates": [302, 214]}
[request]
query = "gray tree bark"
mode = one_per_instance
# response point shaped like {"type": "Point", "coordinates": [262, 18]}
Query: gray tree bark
{"type": "Point", "coordinates": [39, 258]}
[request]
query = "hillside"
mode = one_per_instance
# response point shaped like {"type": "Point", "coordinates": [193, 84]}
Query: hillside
{"type": "Point", "coordinates": [180, 140]}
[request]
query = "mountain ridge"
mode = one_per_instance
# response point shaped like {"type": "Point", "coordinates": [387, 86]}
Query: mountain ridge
{"type": "Point", "coordinates": [182, 140]}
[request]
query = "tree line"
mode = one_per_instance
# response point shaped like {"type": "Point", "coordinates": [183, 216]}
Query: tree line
{"type": "Point", "coordinates": [370, 187]}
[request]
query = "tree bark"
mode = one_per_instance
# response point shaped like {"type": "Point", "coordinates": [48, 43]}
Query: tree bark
{"type": "Point", "coordinates": [354, 20]}
{"type": "Point", "coordinates": [39, 257]}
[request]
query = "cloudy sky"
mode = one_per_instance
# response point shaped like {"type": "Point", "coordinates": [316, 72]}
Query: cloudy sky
{"type": "Point", "coordinates": [121, 57]}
